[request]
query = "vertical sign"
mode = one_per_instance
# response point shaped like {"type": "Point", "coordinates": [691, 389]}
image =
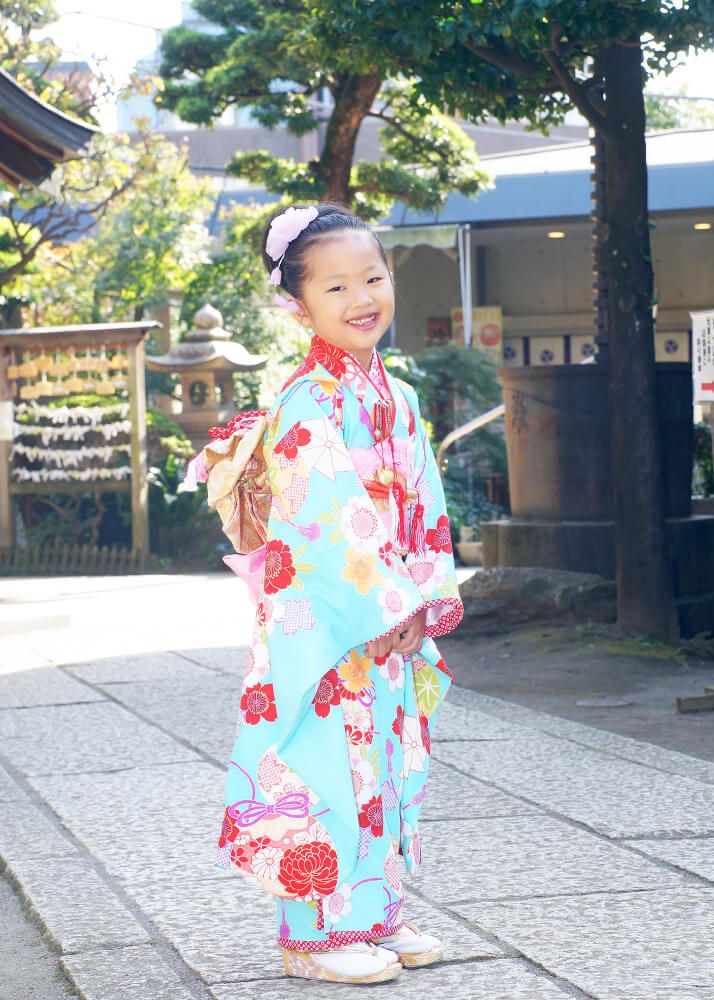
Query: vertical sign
{"type": "Point", "coordinates": [487, 330]}
{"type": "Point", "coordinates": [703, 355]}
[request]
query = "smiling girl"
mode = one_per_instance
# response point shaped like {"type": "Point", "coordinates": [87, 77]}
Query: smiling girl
{"type": "Point", "coordinates": [331, 756]}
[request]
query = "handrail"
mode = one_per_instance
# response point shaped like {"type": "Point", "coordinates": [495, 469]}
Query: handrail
{"type": "Point", "coordinates": [469, 428]}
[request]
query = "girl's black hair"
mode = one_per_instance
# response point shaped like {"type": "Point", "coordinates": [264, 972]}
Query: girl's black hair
{"type": "Point", "coordinates": [331, 217]}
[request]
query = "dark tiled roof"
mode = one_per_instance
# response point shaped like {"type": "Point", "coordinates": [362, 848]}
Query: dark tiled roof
{"type": "Point", "coordinates": [34, 136]}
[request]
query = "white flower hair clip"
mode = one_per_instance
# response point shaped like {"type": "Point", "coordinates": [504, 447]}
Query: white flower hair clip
{"type": "Point", "coordinates": [283, 230]}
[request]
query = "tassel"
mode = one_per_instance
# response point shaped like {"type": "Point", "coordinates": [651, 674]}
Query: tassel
{"type": "Point", "coordinates": [418, 541]}
{"type": "Point", "coordinates": [399, 494]}
{"type": "Point", "coordinates": [393, 514]}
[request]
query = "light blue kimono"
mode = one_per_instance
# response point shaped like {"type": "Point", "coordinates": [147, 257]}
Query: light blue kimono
{"type": "Point", "coordinates": [331, 756]}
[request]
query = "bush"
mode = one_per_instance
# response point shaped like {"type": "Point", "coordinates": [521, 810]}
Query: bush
{"type": "Point", "coordinates": [702, 472]}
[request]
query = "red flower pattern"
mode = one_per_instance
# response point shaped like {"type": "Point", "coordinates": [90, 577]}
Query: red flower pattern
{"type": "Point", "coordinates": [229, 830]}
{"type": "Point", "coordinates": [258, 702]}
{"type": "Point", "coordinates": [387, 553]}
{"type": "Point", "coordinates": [295, 438]}
{"type": "Point", "coordinates": [398, 723]}
{"type": "Point", "coordinates": [439, 538]}
{"type": "Point", "coordinates": [329, 356]}
{"type": "Point", "coordinates": [279, 569]}
{"type": "Point", "coordinates": [359, 737]}
{"type": "Point", "coordinates": [371, 816]}
{"type": "Point", "coordinates": [239, 856]}
{"type": "Point", "coordinates": [309, 869]}
{"type": "Point", "coordinates": [327, 694]}
{"type": "Point", "coordinates": [425, 734]}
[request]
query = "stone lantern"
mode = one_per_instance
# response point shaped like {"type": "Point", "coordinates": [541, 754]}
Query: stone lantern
{"type": "Point", "coordinates": [205, 361]}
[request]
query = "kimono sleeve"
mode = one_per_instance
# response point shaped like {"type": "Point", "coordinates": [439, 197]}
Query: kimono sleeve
{"type": "Point", "coordinates": [331, 582]}
{"type": "Point", "coordinates": [432, 570]}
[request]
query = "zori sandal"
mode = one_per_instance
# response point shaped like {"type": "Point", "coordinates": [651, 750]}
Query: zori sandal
{"type": "Point", "coordinates": [411, 947]}
{"type": "Point", "coordinates": [358, 963]}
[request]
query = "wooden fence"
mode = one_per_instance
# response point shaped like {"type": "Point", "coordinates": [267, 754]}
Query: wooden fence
{"type": "Point", "coordinates": [62, 559]}
{"type": "Point", "coordinates": [31, 369]}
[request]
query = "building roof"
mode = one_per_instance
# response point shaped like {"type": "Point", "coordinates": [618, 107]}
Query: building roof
{"type": "Point", "coordinates": [554, 182]}
{"type": "Point", "coordinates": [34, 136]}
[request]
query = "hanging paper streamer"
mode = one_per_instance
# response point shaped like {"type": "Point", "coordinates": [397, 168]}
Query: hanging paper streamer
{"type": "Point", "coordinates": [70, 443]}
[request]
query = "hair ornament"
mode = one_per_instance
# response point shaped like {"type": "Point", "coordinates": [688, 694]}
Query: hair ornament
{"type": "Point", "coordinates": [284, 229]}
{"type": "Point", "coordinates": [289, 304]}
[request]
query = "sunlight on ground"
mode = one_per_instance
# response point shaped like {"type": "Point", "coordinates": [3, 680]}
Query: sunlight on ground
{"type": "Point", "coordinates": [75, 619]}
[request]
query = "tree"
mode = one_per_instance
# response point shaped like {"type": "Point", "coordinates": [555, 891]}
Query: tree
{"type": "Point", "coordinates": [29, 56]}
{"type": "Point", "coordinates": [283, 60]}
{"type": "Point", "coordinates": [149, 238]}
{"type": "Point", "coordinates": [536, 59]}
{"type": "Point", "coordinates": [81, 191]}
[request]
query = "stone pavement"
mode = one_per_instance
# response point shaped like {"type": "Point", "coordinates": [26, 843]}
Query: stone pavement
{"type": "Point", "coordinates": [560, 860]}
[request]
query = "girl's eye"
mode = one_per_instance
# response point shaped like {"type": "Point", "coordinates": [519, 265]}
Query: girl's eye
{"type": "Point", "coordinates": [377, 277]}
{"type": "Point", "coordinates": [337, 288]}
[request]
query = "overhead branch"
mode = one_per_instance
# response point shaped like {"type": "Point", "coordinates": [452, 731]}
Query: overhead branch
{"type": "Point", "coordinates": [583, 100]}
{"type": "Point", "coordinates": [507, 60]}
{"type": "Point", "coordinates": [418, 143]}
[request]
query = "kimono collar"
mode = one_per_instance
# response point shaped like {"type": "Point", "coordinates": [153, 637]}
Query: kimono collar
{"type": "Point", "coordinates": [347, 369]}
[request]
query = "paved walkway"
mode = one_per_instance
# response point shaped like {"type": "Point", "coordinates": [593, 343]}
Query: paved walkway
{"type": "Point", "coordinates": [560, 860]}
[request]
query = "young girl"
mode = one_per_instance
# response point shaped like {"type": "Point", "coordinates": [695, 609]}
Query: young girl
{"type": "Point", "coordinates": [356, 578]}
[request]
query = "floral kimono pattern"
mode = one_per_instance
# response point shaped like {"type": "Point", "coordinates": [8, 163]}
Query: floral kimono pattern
{"type": "Point", "coordinates": [331, 755]}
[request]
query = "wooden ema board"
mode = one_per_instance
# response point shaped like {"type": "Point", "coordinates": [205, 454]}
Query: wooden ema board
{"type": "Point", "coordinates": [38, 366]}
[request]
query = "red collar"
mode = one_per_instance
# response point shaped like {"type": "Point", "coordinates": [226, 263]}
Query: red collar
{"type": "Point", "coordinates": [345, 367]}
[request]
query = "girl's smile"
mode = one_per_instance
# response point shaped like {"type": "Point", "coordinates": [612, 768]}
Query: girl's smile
{"type": "Point", "coordinates": [348, 296]}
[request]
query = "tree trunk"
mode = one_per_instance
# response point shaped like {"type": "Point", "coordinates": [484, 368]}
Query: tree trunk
{"type": "Point", "coordinates": [645, 598]}
{"type": "Point", "coordinates": [353, 96]}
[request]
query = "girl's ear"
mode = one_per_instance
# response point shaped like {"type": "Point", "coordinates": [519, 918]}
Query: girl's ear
{"type": "Point", "coordinates": [299, 312]}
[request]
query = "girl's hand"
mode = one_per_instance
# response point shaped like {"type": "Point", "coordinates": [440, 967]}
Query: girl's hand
{"type": "Point", "coordinates": [409, 641]}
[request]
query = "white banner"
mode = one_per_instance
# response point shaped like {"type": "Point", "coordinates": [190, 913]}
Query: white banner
{"type": "Point", "coordinates": [703, 355]}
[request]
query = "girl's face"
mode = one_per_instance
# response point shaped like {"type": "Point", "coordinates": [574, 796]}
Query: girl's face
{"type": "Point", "coordinates": [348, 296]}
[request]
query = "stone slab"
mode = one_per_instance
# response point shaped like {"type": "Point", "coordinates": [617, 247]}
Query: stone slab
{"type": "Point", "coordinates": [10, 791]}
{"type": "Point", "coordinates": [229, 660]}
{"type": "Point", "coordinates": [21, 653]}
{"type": "Point", "coordinates": [521, 856]}
{"type": "Point", "coordinates": [157, 824]}
{"type": "Point", "coordinates": [494, 979]}
{"type": "Point", "coordinates": [138, 972]}
{"type": "Point", "coordinates": [95, 736]}
{"type": "Point", "coordinates": [202, 709]}
{"type": "Point", "coordinates": [223, 929]}
{"type": "Point", "coordinates": [42, 686]}
{"type": "Point", "coordinates": [690, 855]}
{"type": "Point", "coordinates": [26, 833]}
{"type": "Point", "coordinates": [661, 758]}
{"type": "Point", "coordinates": [617, 797]}
{"type": "Point", "coordinates": [625, 946]}
{"type": "Point", "coordinates": [77, 906]}
{"type": "Point", "coordinates": [457, 722]}
{"type": "Point", "coordinates": [452, 795]}
{"type": "Point", "coordinates": [461, 943]}
{"type": "Point", "coordinates": [134, 668]}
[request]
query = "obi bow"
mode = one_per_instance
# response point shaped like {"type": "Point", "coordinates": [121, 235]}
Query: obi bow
{"type": "Point", "coordinates": [294, 805]}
